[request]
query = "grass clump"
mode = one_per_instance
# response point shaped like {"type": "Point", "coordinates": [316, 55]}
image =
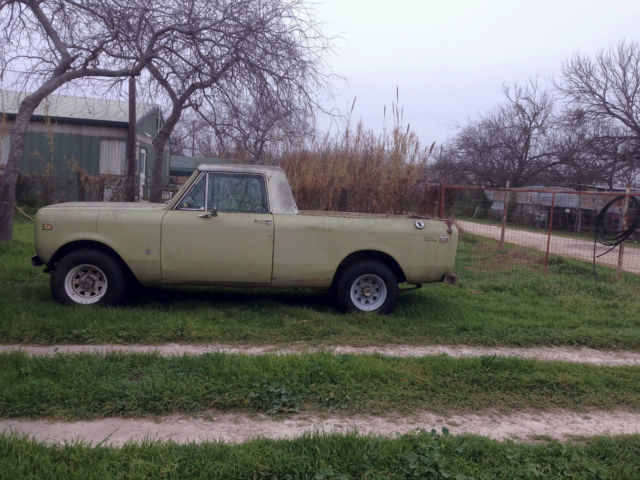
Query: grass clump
{"type": "Point", "coordinates": [90, 386]}
{"type": "Point", "coordinates": [323, 457]}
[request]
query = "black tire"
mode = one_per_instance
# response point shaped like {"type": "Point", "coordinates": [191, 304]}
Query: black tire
{"type": "Point", "coordinates": [88, 276]}
{"type": "Point", "coordinates": [374, 287]}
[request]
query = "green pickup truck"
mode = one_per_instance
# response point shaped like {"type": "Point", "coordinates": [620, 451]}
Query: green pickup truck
{"type": "Point", "coordinates": [238, 225]}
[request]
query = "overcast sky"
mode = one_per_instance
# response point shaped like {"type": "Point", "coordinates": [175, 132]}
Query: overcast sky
{"type": "Point", "coordinates": [450, 58]}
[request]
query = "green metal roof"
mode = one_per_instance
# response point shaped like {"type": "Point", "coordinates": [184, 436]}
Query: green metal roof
{"type": "Point", "coordinates": [78, 108]}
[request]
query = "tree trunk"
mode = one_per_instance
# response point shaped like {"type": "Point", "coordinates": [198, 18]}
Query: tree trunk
{"type": "Point", "coordinates": [14, 162]}
{"type": "Point", "coordinates": [156, 173]}
{"type": "Point", "coordinates": [159, 144]}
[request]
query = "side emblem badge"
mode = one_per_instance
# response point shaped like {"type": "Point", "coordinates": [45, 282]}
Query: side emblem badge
{"type": "Point", "coordinates": [419, 224]}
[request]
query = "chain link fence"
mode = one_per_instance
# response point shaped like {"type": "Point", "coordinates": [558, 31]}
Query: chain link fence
{"type": "Point", "coordinates": [545, 229]}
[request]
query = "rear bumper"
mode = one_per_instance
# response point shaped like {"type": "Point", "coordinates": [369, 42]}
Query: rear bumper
{"type": "Point", "coordinates": [36, 262]}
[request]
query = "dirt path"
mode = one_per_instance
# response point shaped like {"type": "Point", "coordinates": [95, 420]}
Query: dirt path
{"type": "Point", "coordinates": [550, 354]}
{"type": "Point", "coordinates": [237, 428]}
{"type": "Point", "coordinates": [563, 246]}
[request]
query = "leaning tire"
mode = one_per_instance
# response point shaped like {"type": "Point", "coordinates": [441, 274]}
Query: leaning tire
{"type": "Point", "coordinates": [367, 287]}
{"type": "Point", "coordinates": [88, 276]}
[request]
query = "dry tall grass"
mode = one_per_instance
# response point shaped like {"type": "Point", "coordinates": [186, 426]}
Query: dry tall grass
{"type": "Point", "coordinates": [358, 170]}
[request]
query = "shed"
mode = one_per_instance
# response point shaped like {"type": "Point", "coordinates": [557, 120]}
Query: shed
{"type": "Point", "coordinates": [75, 147]}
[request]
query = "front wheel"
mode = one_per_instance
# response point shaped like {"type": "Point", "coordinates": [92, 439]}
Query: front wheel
{"type": "Point", "coordinates": [88, 276]}
{"type": "Point", "coordinates": [367, 287]}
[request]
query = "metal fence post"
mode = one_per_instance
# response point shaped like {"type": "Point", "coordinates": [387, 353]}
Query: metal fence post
{"type": "Point", "coordinates": [549, 228]}
{"type": "Point", "coordinates": [578, 228]}
{"type": "Point", "coordinates": [504, 214]}
{"type": "Point", "coordinates": [625, 213]}
{"type": "Point", "coordinates": [441, 200]}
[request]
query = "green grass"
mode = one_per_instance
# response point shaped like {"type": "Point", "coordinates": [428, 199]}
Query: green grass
{"type": "Point", "coordinates": [328, 457]}
{"type": "Point", "coordinates": [495, 304]}
{"type": "Point", "coordinates": [90, 386]}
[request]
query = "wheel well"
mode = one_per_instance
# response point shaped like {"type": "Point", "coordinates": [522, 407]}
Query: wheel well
{"type": "Point", "coordinates": [70, 247]}
{"type": "Point", "coordinates": [364, 255]}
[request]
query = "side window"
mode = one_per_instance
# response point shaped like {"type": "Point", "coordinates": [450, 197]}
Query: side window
{"type": "Point", "coordinates": [113, 155]}
{"type": "Point", "coordinates": [194, 200]}
{"type": "Point", "coordinates": [237, 193]}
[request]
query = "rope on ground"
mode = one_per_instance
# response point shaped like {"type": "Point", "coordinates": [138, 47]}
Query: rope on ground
{"type": "Point", "coordinates": [25, 214]}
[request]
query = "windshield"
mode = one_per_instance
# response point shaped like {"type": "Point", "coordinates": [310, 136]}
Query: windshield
{"type": "Point", "coordinates": [182, 189]}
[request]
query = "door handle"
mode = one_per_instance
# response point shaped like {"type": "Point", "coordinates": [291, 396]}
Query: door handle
{"type": "Point", "coordinates": [258, 220]}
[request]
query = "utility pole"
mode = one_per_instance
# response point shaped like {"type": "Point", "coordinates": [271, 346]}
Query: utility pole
{"type": "Point", "coordinates": [130, 189]}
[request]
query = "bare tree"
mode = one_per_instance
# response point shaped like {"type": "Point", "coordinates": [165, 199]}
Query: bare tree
{"type": "Point", "coordinates": [50, 43]}
{"type": "Point", "coordinates": [194, 136]}
{"type": "Point", "coordinates": [260, 124]}
{"type": "Point", "coordinates": [237, 60]}
{"type": "Point", "coordinates": [593, 151]}
{"type": "Point", "coordinates": [607, 86]}
{"type": "Point", "coordinates": [605, 89]}
{"type": "Point", "coordinates": [511, 143]}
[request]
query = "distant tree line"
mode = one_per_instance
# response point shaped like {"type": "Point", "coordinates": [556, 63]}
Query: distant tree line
{"type": "Point", "coordinates": [583, 130]}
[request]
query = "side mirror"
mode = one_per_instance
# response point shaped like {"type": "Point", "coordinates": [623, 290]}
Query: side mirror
{"type": "Point", "coordinates": [212, 212]}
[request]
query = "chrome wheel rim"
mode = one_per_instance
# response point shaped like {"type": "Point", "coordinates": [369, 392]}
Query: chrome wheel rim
{"type": "Point", "coordinates": [368, 292]}
{"type": "Point", "coordinates": [85, 284]}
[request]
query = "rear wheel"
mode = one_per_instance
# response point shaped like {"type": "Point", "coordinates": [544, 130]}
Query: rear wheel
{"type": "Point", "coordinates": [88, 276]}
{"type": "Point", "coordinates": [367, 286]}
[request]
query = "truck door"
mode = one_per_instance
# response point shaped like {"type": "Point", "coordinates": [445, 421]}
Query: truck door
{"type": "Point", "coordinates": [221, 231]}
